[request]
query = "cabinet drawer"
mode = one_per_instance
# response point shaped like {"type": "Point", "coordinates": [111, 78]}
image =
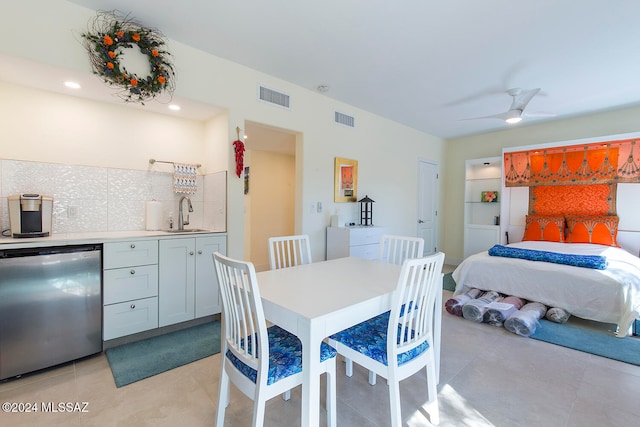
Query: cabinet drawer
{"type": "Point", "coordinates": [130, 317]}
{"type": "Point", "coordinates": [130, 283]}
{"type": "Point", "coordinates": [125, 254]}
{"type": "Point", "coordinates": [365, 251]}
{"type": "Point", "coordinates": [365, 236]}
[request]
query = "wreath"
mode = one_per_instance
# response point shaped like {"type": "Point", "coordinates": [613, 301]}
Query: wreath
{"type": "Point", "coordinates": [105, 42]}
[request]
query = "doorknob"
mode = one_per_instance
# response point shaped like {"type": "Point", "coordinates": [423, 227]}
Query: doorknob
{"type": "Point", "coordinates": [420, 221]}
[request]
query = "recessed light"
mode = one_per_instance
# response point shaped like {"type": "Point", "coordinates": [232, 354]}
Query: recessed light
{"type": "Point", "coordinates": [72, 85]}
{"type": "Point", "coordinates": [174, 107]}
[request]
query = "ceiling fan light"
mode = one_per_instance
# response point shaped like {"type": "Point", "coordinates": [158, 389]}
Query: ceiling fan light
{"type": "Point", "coordinates": [513, 116]}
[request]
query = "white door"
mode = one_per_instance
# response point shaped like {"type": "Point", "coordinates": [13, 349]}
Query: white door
{"type": "Point", "coordinates": [428, 205]}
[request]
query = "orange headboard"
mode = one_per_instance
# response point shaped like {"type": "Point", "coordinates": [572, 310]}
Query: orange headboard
{"type": "Point", "coordinates": [558, 200]}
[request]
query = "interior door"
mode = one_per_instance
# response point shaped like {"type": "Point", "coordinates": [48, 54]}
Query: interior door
{"type": "Point", "coordinates": [428, 205]}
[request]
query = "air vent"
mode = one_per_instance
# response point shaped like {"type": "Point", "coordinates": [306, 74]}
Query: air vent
{"type": "Point", "coordinates": [273, 97]}
{"type": "Point", "coordinates": [344, 119]}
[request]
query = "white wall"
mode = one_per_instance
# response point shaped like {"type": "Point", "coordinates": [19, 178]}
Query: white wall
{"type": "Point", "coordinates": [387, 152]}
{"type": "Point", "coordinates": [48, 127]}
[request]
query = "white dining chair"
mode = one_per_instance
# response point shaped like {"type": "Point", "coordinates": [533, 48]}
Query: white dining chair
{"type": "Point", "coordinates": [261, 362]}
{"type": "Point", "coordinates": [289, 251]}
{"type": "Point", "coordinates": [400, 342]}
{"type": "Point", "coordinates": [393, 250]}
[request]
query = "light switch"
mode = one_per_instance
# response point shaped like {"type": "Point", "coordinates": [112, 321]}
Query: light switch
{"type": "Point", "coordinates": [319, 207]}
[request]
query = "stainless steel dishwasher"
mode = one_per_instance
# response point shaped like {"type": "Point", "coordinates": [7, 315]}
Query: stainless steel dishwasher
{"type": "Point", "coordinates": [50, 306]}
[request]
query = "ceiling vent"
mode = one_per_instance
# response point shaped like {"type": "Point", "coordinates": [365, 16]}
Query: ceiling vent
{"type": "Point", "coordinates": [274, 97]}
{"type": "Point", "coordinates": [344, 119]}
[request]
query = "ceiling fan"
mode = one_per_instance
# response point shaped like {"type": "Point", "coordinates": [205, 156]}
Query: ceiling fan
{"type": "Point", "coordinates": [516, 112]}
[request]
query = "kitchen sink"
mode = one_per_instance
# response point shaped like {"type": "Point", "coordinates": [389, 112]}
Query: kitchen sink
{"type": "Point", "coordinates": [190, 230]}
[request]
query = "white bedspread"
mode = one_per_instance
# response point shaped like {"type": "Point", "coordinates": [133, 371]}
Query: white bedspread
{"type": "Point", "coordinates": [609, 296]}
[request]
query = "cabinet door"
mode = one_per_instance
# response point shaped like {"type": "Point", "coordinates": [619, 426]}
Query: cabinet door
{"type": "Point", "coordinates": [207, 298]}
{"type": "Point", "coordinates": [176, 281]}
{"type": "Point", "coordinates": [480, 238]}
{"type": "Point", "coordinates": [130, 317]}
{"type": "Point", "coordinates": [337, 242]}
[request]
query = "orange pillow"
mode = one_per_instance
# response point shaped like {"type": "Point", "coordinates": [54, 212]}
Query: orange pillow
{"type": "Point", "coordinates": [601, 230]}
{"type": "Point", "coordinates": [547, 228]}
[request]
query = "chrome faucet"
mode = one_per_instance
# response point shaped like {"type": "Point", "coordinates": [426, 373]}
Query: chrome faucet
{"type": "Point", "coordinates": [181, 220]}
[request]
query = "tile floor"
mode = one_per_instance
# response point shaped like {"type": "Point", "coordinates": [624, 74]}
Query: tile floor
{"type": "Point", "coordinates": [489, 377]}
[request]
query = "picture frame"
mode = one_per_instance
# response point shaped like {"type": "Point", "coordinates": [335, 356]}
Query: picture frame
{"type": "Point", "coordinates": [345, 180]}
{"type": "Point", "coordinates": [489, 196]}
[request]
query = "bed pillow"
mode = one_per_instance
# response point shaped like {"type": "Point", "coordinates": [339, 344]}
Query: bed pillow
{"type": "Point", "coordinates": [547, 228]}
{"type": "Point", "coordinates": [601, 230]}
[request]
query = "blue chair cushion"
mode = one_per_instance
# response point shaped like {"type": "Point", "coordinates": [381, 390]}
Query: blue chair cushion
{"type": "Point", "coordinates": [370, 339]}
{"type": "Point", "coordinates": [285, 356]}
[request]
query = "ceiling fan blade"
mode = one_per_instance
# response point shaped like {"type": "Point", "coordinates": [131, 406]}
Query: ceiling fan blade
{"type": "Point", "coordinates": [539, 114]}
{"type": "Point", "coordinates": [501, 116]}
{"type": "Point", "coordinates": [521, 98]}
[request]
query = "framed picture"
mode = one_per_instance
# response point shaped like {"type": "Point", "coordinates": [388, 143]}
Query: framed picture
{"type": "Point", "coordinates": [489, 196]}
{"type": "Point", "coordinates": [345, 180]}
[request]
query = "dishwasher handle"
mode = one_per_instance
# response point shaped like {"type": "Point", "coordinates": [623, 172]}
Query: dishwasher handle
{"type": "Point", "coordinates": [24, 252]}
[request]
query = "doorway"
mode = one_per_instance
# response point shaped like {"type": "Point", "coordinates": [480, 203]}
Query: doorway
{"type": "Point", "coordinates": [428, 205]}
{"type": "Point", "coordinates": [270, 189]}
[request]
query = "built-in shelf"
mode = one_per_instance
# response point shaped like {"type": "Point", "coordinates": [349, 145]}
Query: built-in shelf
{"type": "Point", "coordinates": [481, 219]}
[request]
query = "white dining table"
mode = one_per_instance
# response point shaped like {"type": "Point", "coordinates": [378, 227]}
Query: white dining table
{"type": "Point", "coordinates": [316, 300]}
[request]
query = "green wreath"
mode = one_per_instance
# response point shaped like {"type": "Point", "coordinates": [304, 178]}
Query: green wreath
{"type": "Point", "coordinates": [105, 43]}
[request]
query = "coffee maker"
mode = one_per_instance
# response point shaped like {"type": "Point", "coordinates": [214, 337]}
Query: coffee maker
{"type": "Point", "coordinates": [30, 215]}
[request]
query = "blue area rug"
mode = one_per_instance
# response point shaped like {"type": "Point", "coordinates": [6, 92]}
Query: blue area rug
{"type": "Point", "coordinates": [143, 359]}
{"type": "Point", "coordinates": [448, 284]}
{"type": "Point", "coordinates": [590, 341]}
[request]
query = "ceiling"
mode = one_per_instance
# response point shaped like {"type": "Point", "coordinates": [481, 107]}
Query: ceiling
{"type": "Point", "coordinates": [426, 64]}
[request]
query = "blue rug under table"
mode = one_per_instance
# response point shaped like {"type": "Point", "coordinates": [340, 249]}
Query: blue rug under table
{"type": "Point", "coordinates": [589, 341]}
{"type": "Point", "coordinates": [143, 359]}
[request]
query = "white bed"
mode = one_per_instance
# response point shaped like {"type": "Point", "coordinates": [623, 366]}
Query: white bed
{"type": "Point", "coordinates": [609, 296]}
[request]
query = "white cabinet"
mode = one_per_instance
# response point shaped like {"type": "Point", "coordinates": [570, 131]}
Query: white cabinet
{"type": "Point", "coordinates": [359, 241]}
{"type": "Point", "coordinates": [482, 215]}
{"type": "Point", "coordinates": [130, 290]}
{"type": "Point", "coordinates": [188, 287]}
{"type": "Point", "coordinates": [207, 288]}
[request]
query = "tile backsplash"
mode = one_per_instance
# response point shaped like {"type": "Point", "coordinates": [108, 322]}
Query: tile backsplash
{"type": "Point", "coordinates": [87, 199]}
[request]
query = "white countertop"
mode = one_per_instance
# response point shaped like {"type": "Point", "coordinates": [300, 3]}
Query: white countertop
{"type": "Point", "coordinates": [60, 239]}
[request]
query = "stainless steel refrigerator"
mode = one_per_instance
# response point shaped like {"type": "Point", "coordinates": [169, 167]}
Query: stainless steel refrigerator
{"type": "Point", "coordinates": [50, 306]}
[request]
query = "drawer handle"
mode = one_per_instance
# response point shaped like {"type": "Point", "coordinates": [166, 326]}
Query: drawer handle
{"type": "Point", "coordinates": [133, 246]}
{"type": "Point", "coordinates": [132, 271]}
{"type": "Point", "coordinates": [199, 252]}
{"type": "Point", "coordinates": [133, 306]}
{"type": "Point", "coordinates": [191, 253]}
